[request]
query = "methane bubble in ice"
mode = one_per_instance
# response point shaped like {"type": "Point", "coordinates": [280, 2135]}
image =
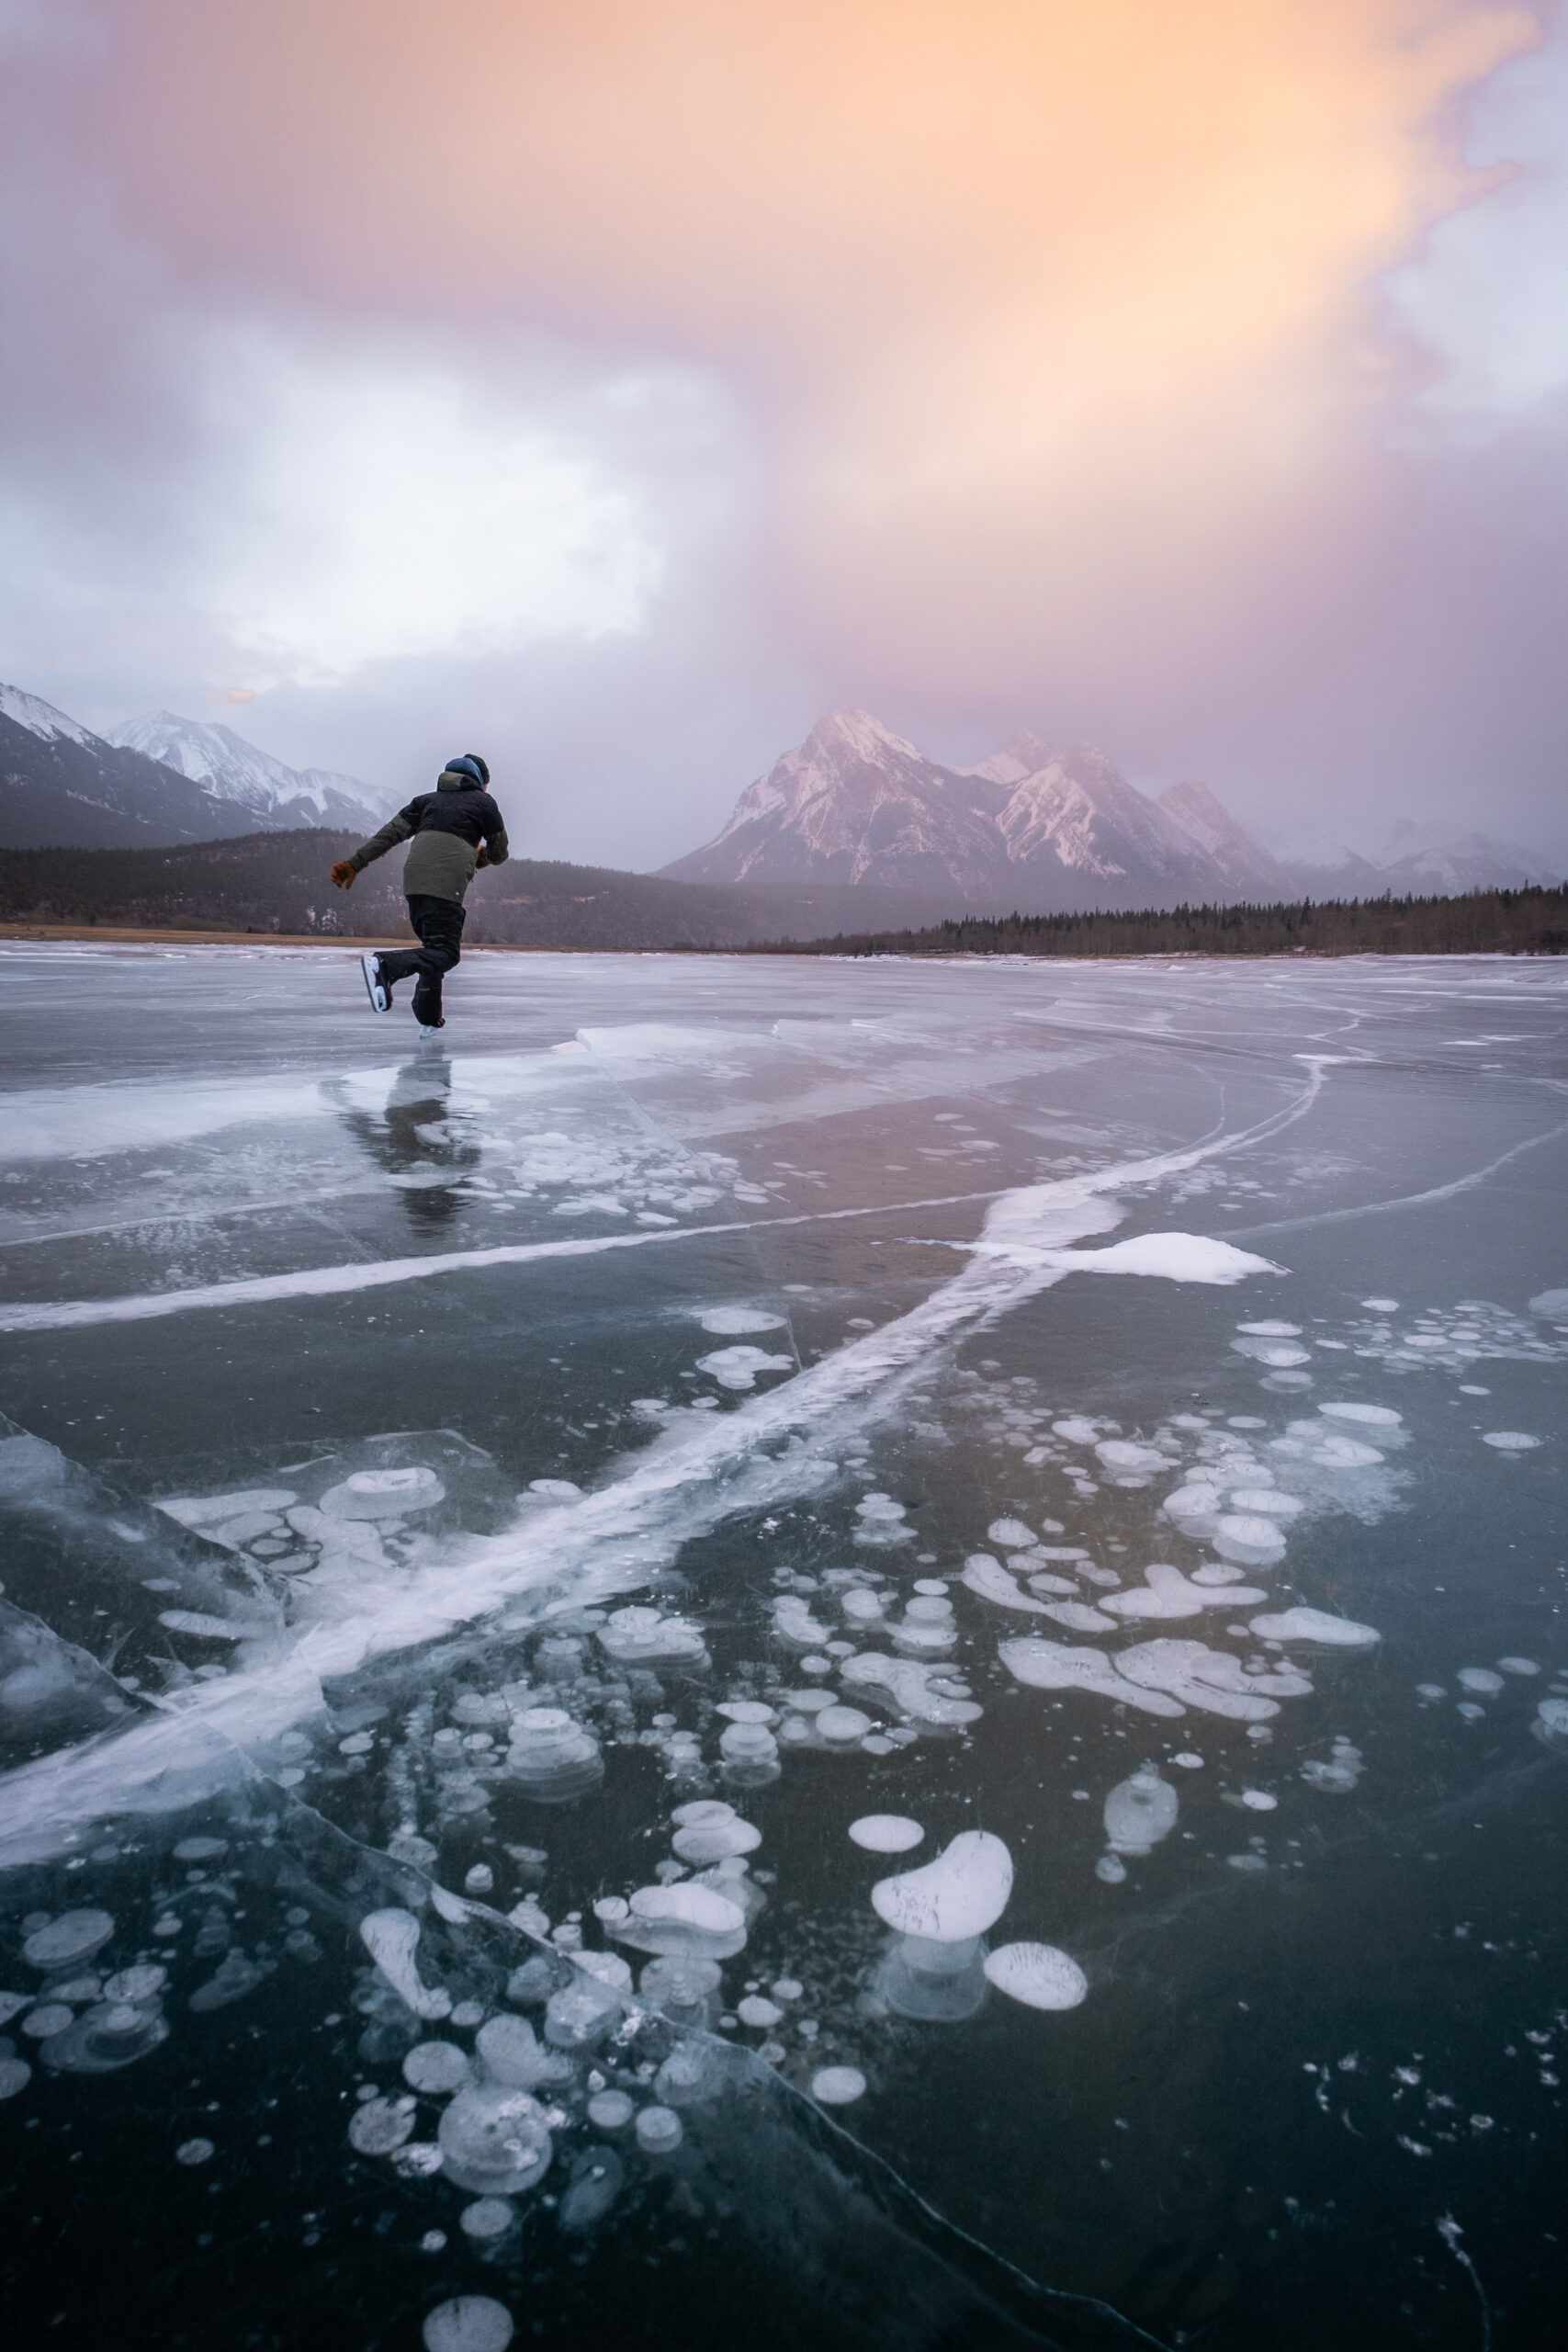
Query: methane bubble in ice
{"type": "Point", "coordinates": [1510, 1440]}
{"type": "Point", "coordinates": [48, 2019]}
{"type": "Point", "coordinates": [738, 1368]}
{"type": "Point", "coordinates": [14, 2076]}
{"type": "Point", "coordinates": [382, 1494]}
{"type": "Point", "coordinates": [1372, 1416]}
{"type": "Point", "coordinates": [842, 1726]}
{"type": "Point", "coordinates": [194, 2152]}
{"type": "Point", "coordinates": [885, 1833]}
{"type": "Point", "coordinates": [582, 2014]}
{"type": "Point", "coordinates": [732, 1322]}
{"type": "Point", "coordinates": [987, 1577]}
{"type": "Point", "coordinates": [751, 1754]}
{"type": "Point", "coordinates": [838, 2086]}
{"type": "Point", "coordinates": [104, 2038]}
{"type": "Point", "coordinates": [436, 2067]}
{"type": "Point", "coordinates": [1480, 1680]}
{"type": "Point", "coordinates": [937, 1983]}
{"type": "Point", "coordinates": [1167, 1593]}
{"type": "Point", "coordinates": [1339, 1775]}
{"type": "Point", "coordinates": [681, 1987]}
{"type": "Point", "coordinates": [610, 2110]}
{"type": "Point", "coordinates": [468, 2323]}
{"type": "Point", "coordinates": [1139, 1811]}
{"type": "Point", "coordinates": [689, 2075]}
{"type": "Point", "coordinates": [598, 2176]}
{"type": "Point", "coordinates": [381, 2125]}
{"type": "Point", "coordinates": [75, 1936]}
{"type": "Point", "coordinates": [1212, 1680]}
{"type": "Point", "coordinates": [1316, 1625]}
{"type": "Point", "coordinates": [682, 1919]}
{"type": "Point", "coordinates": [1248, 1538]}
{"type": "Point", "coordinates": [957, 1896]}
{"type": "Point", "coordinates": [509, 2053]}
{"type": "Point", "coordinates": [493, 2140]}
{"type": "Point", "coordinates": [717, 1833]}
{"type": "Point", "coordinates": [1053, 1665]}
{"type": "Point", "coordinates": [1037, 1975]}
{"type": "Point", "coordinates": [657, 2131]}
{"type": "Point", "coordinates": [643, 1637]}
{"type": "Point", "coordinates": [1011, 1533]}
{"type": "Point", "coordinates": [486, 2218]}
{"type": "Point", "coordinates": [552, 1757]}
{"type": "Point", "coordinates": [1550, 1725]}
{"type": "Point", "coordinates": [1518, 1666]}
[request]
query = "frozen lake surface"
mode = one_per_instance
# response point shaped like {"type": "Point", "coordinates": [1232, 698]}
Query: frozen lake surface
{"type": "Point", "coordinates": [869, 1654]}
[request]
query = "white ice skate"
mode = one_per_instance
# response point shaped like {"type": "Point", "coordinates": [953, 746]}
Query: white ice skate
{"type": "Point", "coordinates": [379, 993]}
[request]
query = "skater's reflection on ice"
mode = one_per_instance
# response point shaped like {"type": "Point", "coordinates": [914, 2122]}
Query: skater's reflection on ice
{"type": "Point", "coordinates": [414, 1140]}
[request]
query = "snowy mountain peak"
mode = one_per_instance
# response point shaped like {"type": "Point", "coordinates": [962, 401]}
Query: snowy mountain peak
{"type": "Point", "coordinates": [857, 733]}
{"type": "Point", "coordinates": [233, 770]}
{"type": "Point", "coordinates": [857, 804]}
{"type": "Point", "coordinates": [41, 717]}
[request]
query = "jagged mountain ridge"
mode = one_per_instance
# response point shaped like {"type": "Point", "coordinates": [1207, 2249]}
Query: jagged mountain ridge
{"type": "Point", "coordinates": [1028, 828]}
{"type": "Point", "coordinates": [63, 787]}
{"type": "Point", "coordinates": [271, 793]}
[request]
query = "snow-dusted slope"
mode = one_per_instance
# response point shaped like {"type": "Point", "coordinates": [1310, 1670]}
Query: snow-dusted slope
{"type": "Point", "coordinates": [1076, 821]}
{"type": "Point", "coordinates": [1247, 865]}
{"type": "Point", "coordinates": [270, 794]}
{"type": "Point", "coordinates": [41, 717]}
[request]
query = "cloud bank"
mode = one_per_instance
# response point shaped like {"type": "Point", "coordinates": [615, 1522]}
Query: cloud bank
{"type": "Point", "coordinates": [641, 379]}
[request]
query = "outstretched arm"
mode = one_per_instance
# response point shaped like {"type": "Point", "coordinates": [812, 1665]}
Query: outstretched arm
{"type": "Point", "coordinates": [495, 852]}
{"type": "Point", "coordinates": [396, 829]}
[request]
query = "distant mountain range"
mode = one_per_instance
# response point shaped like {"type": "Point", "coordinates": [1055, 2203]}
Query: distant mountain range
{"type": "Point", "coordinates": [224, 765]}
{"type": "Point", "coordinates": [855, 830]}
{"type": "Point", "coordinates": [156, 783]}
{"type": "Point", "coordinates": [1030, 827]}
{"type": "Point", "coordinates": [857, 809]}
{"type": "Point", "coordinates": [1416, 860]}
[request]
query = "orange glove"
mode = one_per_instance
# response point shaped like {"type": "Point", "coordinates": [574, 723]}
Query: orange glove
{"type": "Point", "coordinates": [344, 874]}
{"type": "Point", "coordinates": [482, 859]}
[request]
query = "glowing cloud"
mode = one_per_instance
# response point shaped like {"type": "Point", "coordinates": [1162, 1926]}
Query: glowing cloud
{"type": "Point", "coordinates": [1055, 311]}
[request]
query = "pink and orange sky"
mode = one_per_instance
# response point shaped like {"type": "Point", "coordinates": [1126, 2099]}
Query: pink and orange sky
{"type": "Point", "coordinates": [616, 387]}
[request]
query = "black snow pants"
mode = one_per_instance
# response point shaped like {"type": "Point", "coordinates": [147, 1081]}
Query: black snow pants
{"type": "Point", "coordinates": [439, 923]}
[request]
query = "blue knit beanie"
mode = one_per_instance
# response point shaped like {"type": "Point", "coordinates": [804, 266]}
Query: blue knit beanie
{"type": "Point", "coordinates": [469, 763]}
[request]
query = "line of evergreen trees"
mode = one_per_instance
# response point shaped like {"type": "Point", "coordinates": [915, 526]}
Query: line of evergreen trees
{"type": "Point", "coordinates": [1532, 921]}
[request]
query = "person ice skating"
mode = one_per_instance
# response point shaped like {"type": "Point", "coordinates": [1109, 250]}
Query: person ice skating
{"type": "Point", "coordinates": [455, 830]}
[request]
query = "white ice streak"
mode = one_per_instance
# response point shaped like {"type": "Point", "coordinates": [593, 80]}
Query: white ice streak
{"type": "Point", "coordinates": [391, 1938]}
{"type": "Point", "coordinates": [1173, 1257]}
{"type": "Point", "coordinates": [772, 1449]}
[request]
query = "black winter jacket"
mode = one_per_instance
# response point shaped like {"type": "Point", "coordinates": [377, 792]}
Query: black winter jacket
{"type": "Point", "coordinates": [446, 827]}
